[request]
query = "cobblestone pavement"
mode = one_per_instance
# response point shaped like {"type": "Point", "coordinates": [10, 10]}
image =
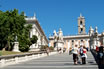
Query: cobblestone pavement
{"type": "Point", "coordinates": [57, 61]}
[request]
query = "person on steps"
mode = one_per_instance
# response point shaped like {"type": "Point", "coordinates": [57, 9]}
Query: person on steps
{"type": "Point", "coordinates": [84, 56]}
{"type": "Point", "coordinates": [75, 54]}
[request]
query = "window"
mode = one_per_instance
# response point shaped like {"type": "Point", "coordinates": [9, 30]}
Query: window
{"type": "Point", "coordinates": [81, 40]}
{"type": "Point", "coordinates": [81, 30]}
{"type": "Point", "coordinates": [80, 22]}
{"type": "Point", "coordinates": [72, 42]}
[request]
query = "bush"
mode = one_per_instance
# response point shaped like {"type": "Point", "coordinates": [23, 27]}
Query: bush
{"type": "Point", "coordinates": [34, 39]}
{"type": "Point", "coordinates": [24, 48]}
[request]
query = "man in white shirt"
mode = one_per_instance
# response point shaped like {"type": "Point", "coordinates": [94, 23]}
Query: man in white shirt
{"type": "Point", "coordinates": [75, 54]}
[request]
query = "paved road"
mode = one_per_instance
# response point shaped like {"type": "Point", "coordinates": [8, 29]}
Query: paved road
{"type": "Point", "coordinates": [58, 61]}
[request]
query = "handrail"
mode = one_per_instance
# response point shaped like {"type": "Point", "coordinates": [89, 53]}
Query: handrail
{"type": "Point", "coordinates": [19, 55]}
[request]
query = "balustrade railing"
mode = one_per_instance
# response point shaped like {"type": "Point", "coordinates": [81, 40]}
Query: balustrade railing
{"type": "Point", "coordinates": [13, 59]}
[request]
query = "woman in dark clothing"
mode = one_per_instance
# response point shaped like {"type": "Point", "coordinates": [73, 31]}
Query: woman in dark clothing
{"type": "Point", "coordinates": [100, 55]}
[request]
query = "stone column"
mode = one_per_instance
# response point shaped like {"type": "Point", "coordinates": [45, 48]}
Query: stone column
{"type": "Point", "coordinates": [68, 45]}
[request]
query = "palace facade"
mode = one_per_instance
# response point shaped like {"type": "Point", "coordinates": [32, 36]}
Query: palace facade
{"type": "Point", "coordinates": [90, 40]}
{"type": "Point", "coordinates": [38, 31]}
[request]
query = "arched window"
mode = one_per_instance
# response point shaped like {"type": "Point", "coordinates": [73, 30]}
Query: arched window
{"type": "Point", "coordinates": [80, 22]}
{"type": "Point", "coordinates": [81, 30]}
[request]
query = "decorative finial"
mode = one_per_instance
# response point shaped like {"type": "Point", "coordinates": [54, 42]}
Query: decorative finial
{"type": "Point", "coordinates": [34, 14]}
{"type": "Point", "coordinates": [54, 32]}
{"type": "Point", "coordinates": [96, 30]}
{"type": "Point", "coordinates": [96, 27]}
{"type": "Point", "coordinates": [60, 29]}
{"type": "Point", "coordinates": [80, 15]}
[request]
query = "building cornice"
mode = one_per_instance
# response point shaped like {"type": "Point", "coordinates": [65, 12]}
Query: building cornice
{"type": "Point", "coordinates": [73, 36]}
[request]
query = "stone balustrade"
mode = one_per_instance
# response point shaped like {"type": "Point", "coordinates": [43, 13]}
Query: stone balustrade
{"type": "Point", "coordinates": [14, 59]}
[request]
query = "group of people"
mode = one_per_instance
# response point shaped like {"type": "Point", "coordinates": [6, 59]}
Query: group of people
{"type": "Point", "coordinates": [79, 52]}
{"type": "Point", "coordinates": [100, 54]}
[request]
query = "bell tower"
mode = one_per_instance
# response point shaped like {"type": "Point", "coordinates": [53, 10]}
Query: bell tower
{"type": "Point", "coordinates": [81, 25]}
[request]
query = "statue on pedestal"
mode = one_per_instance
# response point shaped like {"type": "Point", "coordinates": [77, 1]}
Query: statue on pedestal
{"type": "Point", "coordinates": [16, 45]}
{"type": "Point", "coordinates": [58, 40]}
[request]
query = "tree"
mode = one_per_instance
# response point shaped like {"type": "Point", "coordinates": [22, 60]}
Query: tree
{"type": "Point", "coordinates": [26, 43]}
{"type": "Point", "coordinates": [11, 25]}
{"type": "Point", "coordinates": [34, 39]}
{"type": "Point", "coordinates": [24, 39]}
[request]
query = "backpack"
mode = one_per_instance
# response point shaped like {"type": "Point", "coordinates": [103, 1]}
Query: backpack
{"type": "Point", "coordinates": [101, 55]}
{"type": "Point", "coordinates": [81, 52]}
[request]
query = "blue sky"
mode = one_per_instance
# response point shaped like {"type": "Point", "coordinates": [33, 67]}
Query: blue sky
{"type": "Point", "coordinates": [55, 14]}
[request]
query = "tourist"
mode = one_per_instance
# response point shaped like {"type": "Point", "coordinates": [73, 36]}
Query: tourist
{"type": "Point", "coordinates": [75, 54]}
{"type": "Point", "coordinates": [87, 48]}
{"type": "Point", "coordinates": [97, 49]}
{"type": "Point", "coordinates": [101, 55]}
{"type": "Point", "coordinates": [81, 52]}
{"type": "Point", "coordinates": [70, 51]}
{"type": "Point", "coordinates": [64, 50]}
{"type": "Point", "coordinates": [84, 55]}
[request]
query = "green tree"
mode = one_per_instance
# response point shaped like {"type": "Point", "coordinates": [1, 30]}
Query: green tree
{"type": "Point", "coordinates": [13, 24]}
{"type": "Point", "coordinates": [24, 40]}
{"type": "Point", "coordinates": [34, 39]}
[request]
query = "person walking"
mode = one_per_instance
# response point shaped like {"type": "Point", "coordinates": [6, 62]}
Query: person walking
{"type": "Point", "coordinates": [84, 55]}
{"type": "Point", "coordinates": [75, 54]}
{"type": "Point", "coordinates": [100, 55]}
{"type": "Point", "coordinates": [81, 53]}
{"type": "Point", "coordinates": [97, 49]}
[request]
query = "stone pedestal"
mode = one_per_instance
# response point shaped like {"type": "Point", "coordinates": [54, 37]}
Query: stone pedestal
{"type": "Point", "coordinates": [59, 44]}
{"type": "Point", "coordinates": [16, 47]}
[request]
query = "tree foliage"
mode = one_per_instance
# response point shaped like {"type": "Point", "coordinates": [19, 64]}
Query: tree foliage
{"type": "Point", "coordinates": [34, 39]}
{"type": "Point", "coordinates": [13, 24]}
